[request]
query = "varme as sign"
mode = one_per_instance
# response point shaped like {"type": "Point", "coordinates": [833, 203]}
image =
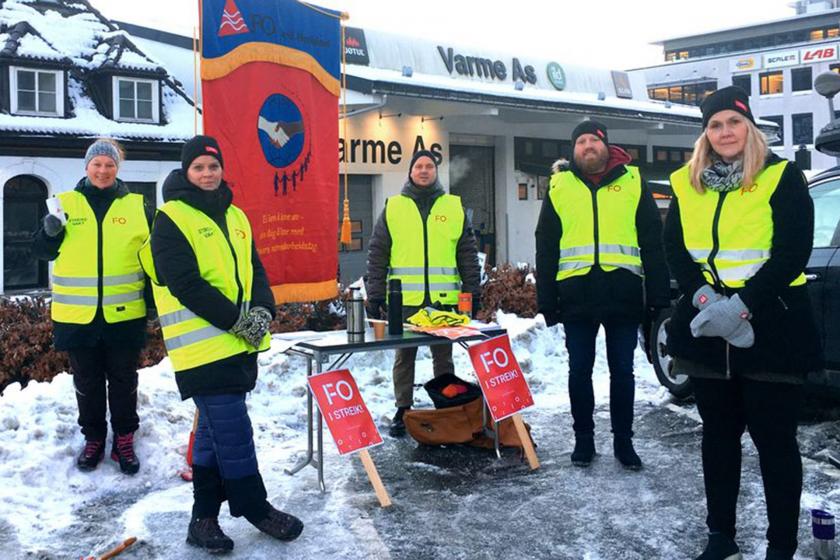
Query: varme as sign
{"type": "Point", "coordinates": [781, 58]}
{"type": "Point", "coordinates": [485, 67]}
{"type": "Point", "coordinates": [818, 54]}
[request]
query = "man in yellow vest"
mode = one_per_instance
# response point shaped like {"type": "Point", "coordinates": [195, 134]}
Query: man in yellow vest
{"type": "Point", "coordinates": [600, 261]}
{"type": "Point", "coordinates": [422, 238]}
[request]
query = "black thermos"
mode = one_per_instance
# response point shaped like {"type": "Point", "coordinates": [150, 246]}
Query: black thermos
{"type": "Point", "coordinates": [395, 306]}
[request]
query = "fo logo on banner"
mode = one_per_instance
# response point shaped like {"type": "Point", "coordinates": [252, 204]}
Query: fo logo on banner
{"type": "Point", "coordinates": [232, 21]}
{"type": "Point", "coordinates": [500, 378]}
{"type": "Point", "coordinates": [348, 419]}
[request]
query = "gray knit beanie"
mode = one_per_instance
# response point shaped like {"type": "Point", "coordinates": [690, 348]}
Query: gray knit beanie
{"type": "Point", "coordinates": [102, 148]}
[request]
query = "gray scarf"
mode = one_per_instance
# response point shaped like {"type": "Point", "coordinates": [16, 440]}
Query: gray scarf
{"type": "Point", "coordinates": [723, 177]}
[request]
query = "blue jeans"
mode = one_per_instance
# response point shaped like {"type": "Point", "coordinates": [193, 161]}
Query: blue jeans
{"type": "Point", "coordinates": [622, 338]}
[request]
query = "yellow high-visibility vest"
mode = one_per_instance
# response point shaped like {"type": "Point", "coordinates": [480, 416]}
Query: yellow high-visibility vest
{"type": "Point", "coordinates": [76, 278]}
{"type": "Point", "coordinates": [741, 220]}
{"type": "Point", "coordinates": [599, 228]}
{"type": "Point", "coordinates": [226, 264]}
{"type": "Point", "coordinates": [441, 233]}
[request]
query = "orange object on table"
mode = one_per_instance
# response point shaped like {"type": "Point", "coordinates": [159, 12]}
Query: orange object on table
{"type": "Point", "coordinates": [465, 303]}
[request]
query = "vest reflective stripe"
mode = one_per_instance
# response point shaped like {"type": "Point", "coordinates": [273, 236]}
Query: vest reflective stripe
{"type": "Point", "coordinates": [190, 340]}
{"type": "Point", "coordinates": [617, 202]}
{"type": "Point", "coordinates": [76, 280]}
{"type": "Point", "coordinates": [420, 270]}
{"type": "Point", "coordinates": [444, 227]}
{"type": "Point", "coordinates": [744, 227]}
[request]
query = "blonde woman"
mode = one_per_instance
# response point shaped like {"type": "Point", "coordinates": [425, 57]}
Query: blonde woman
{"type": "Point", "coordinates": [98, 301]}
{"type": "Point", "coordinates": [737, 238]}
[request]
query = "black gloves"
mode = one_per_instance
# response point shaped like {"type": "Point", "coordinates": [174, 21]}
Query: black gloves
{"type": "Point", "coordinates": [376, 308]}
{"type": "Point", "coordinates": [551, 317]}
{"type": "Point", "coordinates": [52, 226]}
{"type": "Point", "coordinates": [252, 326]}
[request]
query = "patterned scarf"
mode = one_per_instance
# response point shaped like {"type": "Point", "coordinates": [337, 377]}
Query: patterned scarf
{"type": "Point", "coordinates": [722, 176]}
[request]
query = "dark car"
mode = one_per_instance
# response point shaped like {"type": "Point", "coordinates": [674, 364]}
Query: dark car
{"type": "Point", "coordinates": [823, 275]}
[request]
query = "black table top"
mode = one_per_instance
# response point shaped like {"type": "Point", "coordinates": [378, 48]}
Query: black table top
{"type": "Point", "coordinates": [336, 342]}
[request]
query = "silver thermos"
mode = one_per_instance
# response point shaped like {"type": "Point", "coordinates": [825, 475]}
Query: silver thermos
{"type": "Point", "coordinates": [355, 316]}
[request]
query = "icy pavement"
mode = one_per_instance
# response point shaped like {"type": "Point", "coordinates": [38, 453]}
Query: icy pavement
{"type": "Point", "coordinates": [455, 502]}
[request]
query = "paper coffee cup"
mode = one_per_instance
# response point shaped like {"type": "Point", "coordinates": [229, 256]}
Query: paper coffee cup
{"type": "Point", "coordinates": [54, 208]}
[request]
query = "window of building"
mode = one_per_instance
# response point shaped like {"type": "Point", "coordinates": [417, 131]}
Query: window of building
{"type": "Point", "coordinates": [666, 155]}
{"type": "Point", "coordinates": [136, 100]}
{"type": "Point", "coordinates": [686, 94]}
{"type": "Point", "coordinates": [832, 32]}
{"type": "Point", "coordinates": [771, 82]}
{"type": "Point", "coordinates": [637, 153]}
{"type": "Point", "coordinates": [816, 35]}
{"type": "Point", "coordinates": [149, 192]}
{"type": "Point", "coordinates": [800, 79]}
{"type": "Point", "coordinates": [523, 191]}
{"type": "Point", "coordinates": [743, 81]}
{"type": "Point", "coordinates": [803, 128]}
{"type": "Point", "coordinates": [37, 92]}
{"type": "Point", "coordinates": [779, 120]}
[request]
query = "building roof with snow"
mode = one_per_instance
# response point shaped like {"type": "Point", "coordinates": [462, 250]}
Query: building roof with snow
{"type": "Point", "coordinates": [66, 70]}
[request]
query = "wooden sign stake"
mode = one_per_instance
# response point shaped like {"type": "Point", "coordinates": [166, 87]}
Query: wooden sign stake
{"type": "Point", "coordinates": [525, 438]}
{"type": "Point", "coordinates": [373, 475]}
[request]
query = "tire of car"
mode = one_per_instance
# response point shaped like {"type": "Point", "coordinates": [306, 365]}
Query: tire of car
{"type": "Point", "coordinates": [679, 385]}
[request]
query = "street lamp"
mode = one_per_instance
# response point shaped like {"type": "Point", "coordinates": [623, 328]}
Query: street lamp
{"type": "Point", "coordinates": [827, 84]}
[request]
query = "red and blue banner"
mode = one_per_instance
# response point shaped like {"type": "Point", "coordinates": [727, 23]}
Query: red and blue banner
{"type": "Point", "coordinates": [270, 76]}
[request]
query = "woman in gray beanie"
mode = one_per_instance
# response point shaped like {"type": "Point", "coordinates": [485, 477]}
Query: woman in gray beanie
{"type": "Point", "coordinates": [99, 300]}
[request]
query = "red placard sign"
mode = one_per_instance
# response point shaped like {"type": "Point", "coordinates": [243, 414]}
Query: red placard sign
{"type": "Point", "coordinates": [350, 423]}
{"type": "Point", "coordinates": [500, 377]}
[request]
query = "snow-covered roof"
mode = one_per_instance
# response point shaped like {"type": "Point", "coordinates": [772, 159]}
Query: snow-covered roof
{"type": "Point", "coordinates": [74, 33]}
{"type": "Point", "coordinates": [23, 41]}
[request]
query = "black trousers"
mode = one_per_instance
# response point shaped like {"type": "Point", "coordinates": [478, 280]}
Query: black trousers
{"type": "Point", "coordinates": [770, 412]}
{"type": "Point", "coordinates": [105, 377]}
{"type": "Point", "coordinates": [622, 338]}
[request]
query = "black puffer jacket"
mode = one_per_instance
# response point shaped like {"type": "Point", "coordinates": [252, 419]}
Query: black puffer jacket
{"type": "Point", "coordinates": [68, 336]}
{"type": "Point", "coordinates": [379, 255]}
{"type": "Point", "coordinates": [176, 266]}
{"type": "Point", "coordinates": [786, 339]}
{"type": "Point", "coordinates": [599, 295]}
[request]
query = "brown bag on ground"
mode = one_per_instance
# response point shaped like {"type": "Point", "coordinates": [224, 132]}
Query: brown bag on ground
{"type": "Point", "coordinates": [458, 424]}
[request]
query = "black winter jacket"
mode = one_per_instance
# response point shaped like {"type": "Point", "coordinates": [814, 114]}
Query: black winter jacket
{"type": "Point", "coordinates": [786, 339]}
{"type": "Point", "coordinates": [68, 336]}
{"type": "Point", "coordinates": [598, 295]}
{"type": "Point", "coordinates": [177, 268]}
{"type": "Point", "coordinates": [379, 255]}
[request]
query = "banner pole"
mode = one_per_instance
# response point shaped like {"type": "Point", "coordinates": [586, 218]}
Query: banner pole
{"type": "Point", "coordinates": [373, 475]}
{"type": "Point", "coordinates": [195, 80]}
{"type": "Point", "coordinates": [346, 229]}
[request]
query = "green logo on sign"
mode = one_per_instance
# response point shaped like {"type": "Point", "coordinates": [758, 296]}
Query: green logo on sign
{"type": "Point", "coordinates": [556, 75]}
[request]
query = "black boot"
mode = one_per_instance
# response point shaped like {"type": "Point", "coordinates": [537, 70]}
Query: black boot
{"type": "Point", "coordinates": [91, 455]}
{"type": "Point", "coordinates": [278, 524]}
{"type": "Point", "coordinates": [584, 450]}
{"type": "Point", "coordinates": [397, 428]}
{"type": "Point", "coordinates": [626, 455]}
{"type": "Point", "coordinates": [123, 452]}
{"type": "Point", "coordinates": [720, 547]}
{"type": "Point", "coordinates": [206, 533]}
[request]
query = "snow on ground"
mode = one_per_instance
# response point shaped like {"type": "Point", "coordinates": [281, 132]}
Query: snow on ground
{"type": "Point", "coordinates": [452, 502]}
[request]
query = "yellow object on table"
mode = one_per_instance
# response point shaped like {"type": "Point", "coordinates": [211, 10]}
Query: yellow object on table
{"type": "Point", "coordinates": [431, 317]}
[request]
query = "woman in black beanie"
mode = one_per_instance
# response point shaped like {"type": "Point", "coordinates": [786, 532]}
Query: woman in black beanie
{"type": "Point", "coordinates": [738, 237]}
{"type": "Point", "coordinates": [215, 305]}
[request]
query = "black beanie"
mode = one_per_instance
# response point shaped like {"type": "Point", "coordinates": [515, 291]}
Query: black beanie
{"type": "Point", "coordinates": [200, 146]}
{"type": "Point", "coordinates": [731, 97]}
{"type": "Point", "coordinates": [418, 155]}
{"type": "Point", "coordinates": [590, 127]}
